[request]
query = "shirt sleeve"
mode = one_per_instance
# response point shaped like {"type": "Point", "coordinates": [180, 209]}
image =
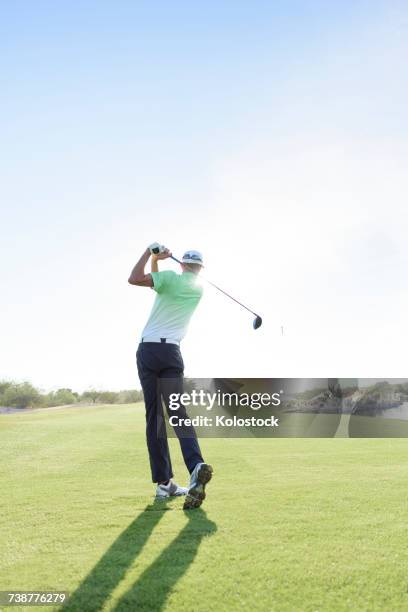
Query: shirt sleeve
{"type": "Point", "coordinates": [162, 280]}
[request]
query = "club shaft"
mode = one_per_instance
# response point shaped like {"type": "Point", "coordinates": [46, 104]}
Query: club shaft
{"type": "Point", "coordinates": [219, 289]}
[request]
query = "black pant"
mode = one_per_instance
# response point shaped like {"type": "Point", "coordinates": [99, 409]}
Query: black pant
{"type": "Point", "coordinates": [160, 368]}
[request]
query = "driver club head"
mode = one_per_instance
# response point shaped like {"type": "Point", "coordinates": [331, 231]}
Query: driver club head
{"type": "Point", "coordinates": [257, 322]}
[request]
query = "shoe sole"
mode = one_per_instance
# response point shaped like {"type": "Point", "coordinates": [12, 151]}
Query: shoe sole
{"type": "Point", "coordinates": [196, 495]}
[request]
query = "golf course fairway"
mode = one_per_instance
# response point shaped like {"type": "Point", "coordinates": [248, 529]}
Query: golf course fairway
{"type": "Point", "coordinates": [288, 524]}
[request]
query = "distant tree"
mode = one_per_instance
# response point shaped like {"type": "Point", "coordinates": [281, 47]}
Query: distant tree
{"type": "Point", "coordinates": [383, 384]}
{"type": "Point", "coordinates": [108, 397]}
{"type": "Point", "coordinates": [130, 396]}
{"type": "Point", "coordinates": [61, 397]}
{"type": "Point", "coordinates": [21, 395]}
{"type": "Point", "coordinates": [401, 388]}
{"type": "Point", "coordinates": [92, 395]}
{"type": "Point", "coordinates": [4, 384]}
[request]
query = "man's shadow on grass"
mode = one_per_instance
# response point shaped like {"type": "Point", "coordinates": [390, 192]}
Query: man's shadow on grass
{"type": "Point", "coordinates": [151, 589]}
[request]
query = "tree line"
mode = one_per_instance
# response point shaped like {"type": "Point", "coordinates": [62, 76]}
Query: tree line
{"type": "Point", "coordinates": [25, 395]}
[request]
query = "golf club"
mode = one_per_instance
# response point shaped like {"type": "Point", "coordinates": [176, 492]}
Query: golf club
{"type": "Point", "coordinates": [257, 322]}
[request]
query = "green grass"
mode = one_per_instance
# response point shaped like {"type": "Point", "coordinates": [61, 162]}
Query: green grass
{"type": "Point", "coordinates": [288, 525]}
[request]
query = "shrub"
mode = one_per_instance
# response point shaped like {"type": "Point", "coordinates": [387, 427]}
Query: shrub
{"type": "Point", "coordinates": [108, 397]}
{"type": "Point", "coordinates": [21, 395]}
{"type": "Point", "coordinates": [61, 397]}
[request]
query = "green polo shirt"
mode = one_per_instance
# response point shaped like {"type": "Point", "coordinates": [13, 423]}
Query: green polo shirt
{"type": "Point", "coordinates": [176, 300]}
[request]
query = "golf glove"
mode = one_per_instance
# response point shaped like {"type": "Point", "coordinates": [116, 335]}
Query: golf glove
{"type": "Point", "coordinates": [155, 248]}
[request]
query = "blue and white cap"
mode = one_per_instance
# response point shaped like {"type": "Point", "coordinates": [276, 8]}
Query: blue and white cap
{"type": "Point", "coordinates": [193, 257]}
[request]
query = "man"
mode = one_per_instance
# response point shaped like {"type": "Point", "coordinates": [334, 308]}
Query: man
{"type": "Point", "coordinates": [159, 360]}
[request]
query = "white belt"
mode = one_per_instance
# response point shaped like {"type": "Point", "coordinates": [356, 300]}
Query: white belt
{"type": "Point", "coordinates": [159, 340]}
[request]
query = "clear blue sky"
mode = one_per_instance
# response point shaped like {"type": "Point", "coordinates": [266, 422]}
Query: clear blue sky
{"type": "Point", "coordinates": [270, 135]}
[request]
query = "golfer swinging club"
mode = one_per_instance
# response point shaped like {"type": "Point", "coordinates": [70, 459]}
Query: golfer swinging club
{"type": "Point", "coordinates": [159, 357]}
